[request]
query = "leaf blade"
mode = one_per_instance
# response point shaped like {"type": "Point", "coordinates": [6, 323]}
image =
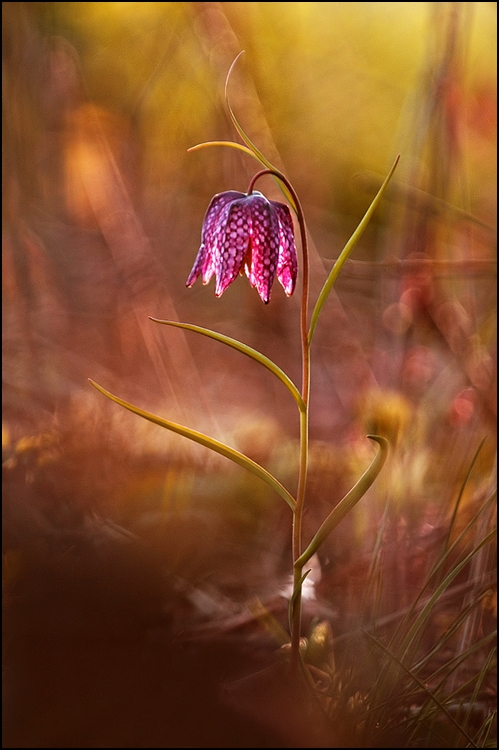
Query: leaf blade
{"type": "Point", "coordinates": [208, 442]}
{"type": "Point", "coordinates": [348, 502]}
{"type": "Point", "coordinates": [333, 274]}
{"type": "Point", "coordinates": [244, 349]}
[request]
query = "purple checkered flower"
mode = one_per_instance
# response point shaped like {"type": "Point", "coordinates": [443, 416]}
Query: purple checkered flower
{"type": "Point", "coordinates": [250, 233]}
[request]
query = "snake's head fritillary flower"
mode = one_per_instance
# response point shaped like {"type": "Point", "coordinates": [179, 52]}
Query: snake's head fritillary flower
{"type": "Point", "coordinates": [247, 233]}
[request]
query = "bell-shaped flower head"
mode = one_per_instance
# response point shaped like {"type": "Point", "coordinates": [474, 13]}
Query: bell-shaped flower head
{"type": "Point", "coordinates": [247, 233]}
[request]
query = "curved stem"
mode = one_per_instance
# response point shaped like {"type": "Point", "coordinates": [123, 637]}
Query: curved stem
{"type": "Point", "coordinates": [295, 613]}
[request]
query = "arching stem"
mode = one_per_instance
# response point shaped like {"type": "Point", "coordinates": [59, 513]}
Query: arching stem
{"type": "Point", "coordinates": [296, 601]}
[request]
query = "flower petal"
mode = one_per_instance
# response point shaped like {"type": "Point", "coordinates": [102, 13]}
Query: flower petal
{"type": "Point", "coordinates": [234, 244]}
{"type": "Point", "coordinates": [264, 238]}
{"type": "Point", "coordinates": [287, 264]}
{"type": "Point", "coordinates": [197, 267]}
{"type": "Point", "coordinates": [205, 259]}
{"type": "Point", "coordinates": [250, 232]}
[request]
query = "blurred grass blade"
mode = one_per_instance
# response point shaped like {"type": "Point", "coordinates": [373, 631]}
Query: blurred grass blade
{"type": "Point", "coordinates": [349, 501]}
{"type": "Point", "coordinates": [208, 442]}
{"type": "Point", "coordinates": [441, 561]}
{"type": "Point", "coordinates": [485, 730]}
{"type": "Point", "coordinates": [333, 274]}
{"type": "Point", "coordinates": [448, 635]}
{"type": "Point", "coordinates": [422, 686]}
{"type": "Point", "coordinates": [247, 350]}
{"type": "Point", "coordinates": [478, 678]}
{"type": "Point", "coordinates": [423, 615]}
{"type": "Point", "coordinates": [489, 666]}
{"type": "Point", "coordinates": [461, 493]}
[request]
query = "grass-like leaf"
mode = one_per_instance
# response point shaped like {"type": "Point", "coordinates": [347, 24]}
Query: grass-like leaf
{"type": "Point", "coordinates": [423, 615]}
{"type": "Point", "coordinates": [349, 501]}
{"type": "Point", "coordinates": [461, 493]}
{"type": "Point", "coordinates": [477, 678]}
{"type": "Point", "coordinates": [411, 617]}
{"type": "Point", "coordinates": [250, 147]}
{"type": "Point", "coordinates": [247, 350]}
{"type": "Point", "coordinates": [422, 686]}
{"type": "Point", "coordinates": [256, 151]}
{"type": "Point", "coordinates": [208, 442]}
{"type": "Point", "coordinates": [231, 144]}
{"type": "Point", "coordinates": [449, 633]}
{"type": "Point", "coordinates": [333, 274]}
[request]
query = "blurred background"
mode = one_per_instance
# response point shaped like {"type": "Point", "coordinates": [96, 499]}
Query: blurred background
{"type": "Point", "coordinates": [103, 205]}
{"type": "Point", "coordinates": [102, 217]}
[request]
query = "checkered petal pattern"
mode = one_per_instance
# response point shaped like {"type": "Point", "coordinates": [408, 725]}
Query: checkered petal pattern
{"type": "Point", "coordinates": [247, 233]}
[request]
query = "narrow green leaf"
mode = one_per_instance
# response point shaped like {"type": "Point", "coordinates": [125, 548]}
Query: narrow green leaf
{"type": "Point", "coordinates": [247, 350]}
{"type": "Point", "coordinates": [249, 143]}
{"type": "Point", "coordinates": [250, 147]}
{"type": "Point", "coordinates": [333, 274]}
{"type": "Point", "coordinates": [446, 670]}
{"type": "Point", "coordinates": [349, 501]}
{"type": "Point", "coordinates": [429, 656]}
{"type": "Point", "coordinates": [489, 666]}
{"type": "Point", "coordinates": [256, 151]}
{"type": "Point", "coordinates": [231, 144]}
{"type": "Point", "coordinates": [208, 442]}
{"type": "Point", "coordinates": [249, 152]}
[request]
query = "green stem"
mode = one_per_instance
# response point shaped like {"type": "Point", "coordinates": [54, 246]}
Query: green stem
{"type": "Point", "coordinates": [303, 467]}
{"type": "Point", "coordinates": [296, 600]}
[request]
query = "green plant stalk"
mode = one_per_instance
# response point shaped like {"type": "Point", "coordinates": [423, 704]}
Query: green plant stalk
{"type": "Point", "coordinates": [295, 601]}
{"type": "Point", "coordinates": [366, 480]}
{"type": "Point", "coordinates": [306, 338]}
{"type": "Point", "coordinates": [304, 420]}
